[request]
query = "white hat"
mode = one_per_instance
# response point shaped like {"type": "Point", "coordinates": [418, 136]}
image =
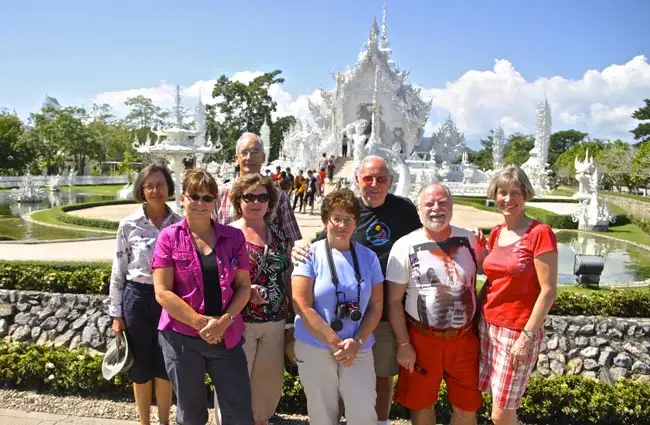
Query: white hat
{"type": "Point", "coordinates": [118, 358]}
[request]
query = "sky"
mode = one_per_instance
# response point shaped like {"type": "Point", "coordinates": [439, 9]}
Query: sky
{"type": "Point", "coordinates": [480, 62]}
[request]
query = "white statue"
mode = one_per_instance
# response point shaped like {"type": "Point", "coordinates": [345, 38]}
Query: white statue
{"type": "Point", "coordinates": [536, 165]}
{"type": "Point", "coordinates": [593, 214]}
{"type": "Point", "coordinates": [584, 172]}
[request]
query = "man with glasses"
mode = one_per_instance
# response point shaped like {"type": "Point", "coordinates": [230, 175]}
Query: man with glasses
{"type": "Point", "coordinates": [383, 220]}
{"type": "Point", "coordinates": [249, 155]}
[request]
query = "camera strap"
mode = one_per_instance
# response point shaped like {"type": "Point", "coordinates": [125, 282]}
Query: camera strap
{"type": "Point", "coordinates": [355, 262]}
{"type": "Point", "coordinates": [262, 262]}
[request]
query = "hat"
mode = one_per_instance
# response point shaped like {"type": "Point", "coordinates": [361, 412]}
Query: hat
{"type": "Point", "coordinates": [118, 358]}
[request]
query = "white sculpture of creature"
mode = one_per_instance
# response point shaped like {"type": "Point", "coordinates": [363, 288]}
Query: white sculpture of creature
{"type": "Point", "coordinates": [584, 172]}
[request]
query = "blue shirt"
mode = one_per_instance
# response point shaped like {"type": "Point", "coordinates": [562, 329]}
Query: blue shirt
{"type": "Point", "coordinates": [317, 268]}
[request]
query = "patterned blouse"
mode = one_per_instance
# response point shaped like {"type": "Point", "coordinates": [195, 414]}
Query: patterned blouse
{"type": "Point", "coordinates": [272, 277]}
{"type": "Point", "coordinates": [136, 238]}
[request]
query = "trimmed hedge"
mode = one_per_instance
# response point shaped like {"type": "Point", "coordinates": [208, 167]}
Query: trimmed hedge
{"type": "Point", "coordinates": [61, 215]}
{"type": "Point", "coordinates": [94, 278]}
{"type": "Point", "coordinates": [548, 401]}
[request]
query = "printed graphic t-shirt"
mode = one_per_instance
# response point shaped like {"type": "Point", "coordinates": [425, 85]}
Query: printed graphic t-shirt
{"type": "Point", "coordinates": [440, 277]}
{"type": "Point", "coordinates": [513, 285]}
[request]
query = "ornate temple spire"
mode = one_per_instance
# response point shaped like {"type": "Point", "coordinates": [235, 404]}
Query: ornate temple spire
{"type": "Point", "coordinates": [498, 142]}
{"type": "Point", "coordinates": [178, 108]}
{"type": "Point", "coordinates": [383, 42]}
{"type": "Point", "coordinates": [374, 30]}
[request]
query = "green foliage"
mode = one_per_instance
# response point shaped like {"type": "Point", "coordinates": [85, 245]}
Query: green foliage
{"type": "Point", "coordinates": [642, 131]}
{"type": "Point", "coordinates": [85, 221]}
{"type": "Point", "coordinates": [641, 162]}
{"type": "Point", "coordinates": [615, 160]}
{"type": "Point", "coordinates": [73, 278]}
{"type": "Point", "coordinates": [13, 159]}
{"type": "Point", "coordinates": [604, 302]}
{"type": "Point", "coordinates": [564, 164]}
{"type": "Point", "coordinates": [561, 141]}
{"type": "Point", "coordinates": [144, 114]}
{"type": "Point", "coordinates": [517, 149]}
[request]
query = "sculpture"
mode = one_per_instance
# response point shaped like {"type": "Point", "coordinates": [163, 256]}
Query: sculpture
{"type": "Point", "coordinates": [536, 165]}
{"type": "Point", "coordinates": [584, 172]}
{"type": "Point", "coordinates": [593, 214]}
{"type": "Point", "coordinates": [28, 192]}
{"type": "Point", "coordinates": [498, 142]}
{"type": "Point", "coordinates": [54, 183]}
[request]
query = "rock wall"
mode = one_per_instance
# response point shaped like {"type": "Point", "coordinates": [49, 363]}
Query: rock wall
{"type": "Point", "coordinates": [631, 206]}
{"type": "Point", "coordinates": [608, 348]}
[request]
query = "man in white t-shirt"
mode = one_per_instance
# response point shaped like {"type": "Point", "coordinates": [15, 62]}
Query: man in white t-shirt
{"type": "Point", "coordinates": [436, 267]}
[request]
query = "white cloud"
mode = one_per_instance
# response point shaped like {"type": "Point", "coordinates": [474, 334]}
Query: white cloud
{"type": "Point", "coordinates": [600, 103]}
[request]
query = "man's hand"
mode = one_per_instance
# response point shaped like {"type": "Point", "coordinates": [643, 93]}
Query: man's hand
{"type": "Point", "coordinates": [406, 357]}
{"type": "Point", "coordinates": [118, 326]}
{"type": "Point", "coordinates": [347, 352]}
{"type": "Point", "coordinates": [300, 254]}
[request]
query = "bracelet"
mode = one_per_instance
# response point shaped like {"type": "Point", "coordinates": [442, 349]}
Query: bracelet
{"type": "Point", "coordinates": [403, 344]}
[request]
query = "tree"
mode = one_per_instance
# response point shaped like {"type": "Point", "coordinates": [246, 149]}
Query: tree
{"type": "Point", "coordinates": [641, 164]}
{"type": "Point", "coordinates": [278, 128]}
{"type": "Point", "coordinates": [615, 160]}
{"type": "Point", "coordinates": [565, 162]}
{"type": "Point", "coordinates": [517, 149]}
{"type": "Point", "coordinates": [240, 107]}
{"type": "Point", "coordinates": [144, 114]}
{"type": "Point", "coordinates": [482, 158]}
{"type": "Point", "coordinates": [12, 157]}
{"type": "Point", "coordinates": [562, 141]}
{"type": "Point", "coordinates": [642, 131]}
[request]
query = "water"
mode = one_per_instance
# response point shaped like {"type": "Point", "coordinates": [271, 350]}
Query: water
{"type": "Point", "coordinates": [624, 262]}
{"type": "Point", "coordinates": [12, 227]}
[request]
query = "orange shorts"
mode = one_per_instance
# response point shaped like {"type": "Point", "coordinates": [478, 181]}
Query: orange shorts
{"type": "Point", "coordinates": [454, 359]}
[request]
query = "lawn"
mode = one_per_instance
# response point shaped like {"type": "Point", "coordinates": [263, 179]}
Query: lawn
{"type": "Point", "coordinates": [108, 189]}
{"type": "Point", "coordinates": [49, 217]}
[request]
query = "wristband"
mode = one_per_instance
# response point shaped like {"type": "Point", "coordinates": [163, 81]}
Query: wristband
{"type": "Point", "coordinates": [528, 333]}
{"type": "Point", "coordinates": [403, 344]}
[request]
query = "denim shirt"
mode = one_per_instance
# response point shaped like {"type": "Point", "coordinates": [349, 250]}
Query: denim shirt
{"type": "Point", "coordinates": [176, 249]}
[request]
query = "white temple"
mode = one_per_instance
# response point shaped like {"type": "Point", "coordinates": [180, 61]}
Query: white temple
{"type": "Point", "coordinates": [536, 167]}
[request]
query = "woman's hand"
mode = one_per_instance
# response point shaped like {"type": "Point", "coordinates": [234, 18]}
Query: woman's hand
{"type": "Point", "coordinates": [347, 352]}
{"type": "Point", "coordinates": [520, 350]}
{"type": "Point", "coordinates": [406, 356]}
{"type": "Point", "coordinates": [212, 333]}
{"type": "Point", "coordinates": [118, 326]}
{"type": "Point", "coordinates": [256, 296]}
{"type": "Point", "coordinates": [299, 254]}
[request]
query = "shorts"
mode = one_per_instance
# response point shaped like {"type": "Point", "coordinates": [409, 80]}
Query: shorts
{"type": "Point", "coordinates": [141, 313]}
{"type": "Point", "coordinates": [454, 359]}
{"type": "Point", "coordinates": [497, 376]}
{"type": "Point", "coordinates": [385, 351]}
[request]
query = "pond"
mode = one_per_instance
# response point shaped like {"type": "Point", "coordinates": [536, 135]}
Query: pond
{"type": "Point", "coordinates": [624, 262]}
{"type": "Point", "coordinates": [13, 227]}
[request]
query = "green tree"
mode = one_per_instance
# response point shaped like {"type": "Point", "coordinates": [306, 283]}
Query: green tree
{"type": "Point", "coordinates": [278, 128]}
{"type": "Point", "coordinates": [615, 160]}
{"type": "Point", "coordinates": [240, 107]}
{"type": "Point", "coordinates": [562, 141]}
{"type": "Point", "coordinates": [641, 164]}
{"type": "Point", "coordinates": [144, 114]}
{"type": "Point", "coordinates": [517, 149]}
{"type": "Point", "coordinates": [12, 157]}
{"type": "Point", "coordinates": [565, 162]}
{"type": "Point", "coordinates": [642, 131]}
{"type": "Point", "coordinates": [482, 158]}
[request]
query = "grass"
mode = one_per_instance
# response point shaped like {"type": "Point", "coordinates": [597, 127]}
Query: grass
{"type": "Point", "coordinates": [563, 191]}
{"type": "Point", "coordinates": [108, 189]}
{"type": "Point", "coordinates": [629, 196]}
{"type": "Point", "coordinates": [49, 216]}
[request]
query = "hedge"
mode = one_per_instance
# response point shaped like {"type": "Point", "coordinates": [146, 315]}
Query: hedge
{"type": "Point", "coordinates": [94, 278]}
{"type": "Point", "coordinates": [61, 215]}
{"type": "Point", "coordinates": [560, 400]}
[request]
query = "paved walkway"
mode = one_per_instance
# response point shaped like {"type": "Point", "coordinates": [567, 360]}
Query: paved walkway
{"type": "Point", "coordinates": [17, 417]}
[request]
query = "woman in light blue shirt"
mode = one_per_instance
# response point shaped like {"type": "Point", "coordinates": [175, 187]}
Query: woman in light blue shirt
{"type": "Point", "coordinates": [338, 299]}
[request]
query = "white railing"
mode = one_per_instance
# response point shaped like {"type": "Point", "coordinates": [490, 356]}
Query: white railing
{"type": "Point", "coordinates": [16, 181]}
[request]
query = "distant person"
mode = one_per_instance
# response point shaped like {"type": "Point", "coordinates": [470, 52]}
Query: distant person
{"type": "Point", "coordinates": [310, 191]}
{"type": "Point", "coordinates": [322, 162]}
{"type": "Point", "coordinates": [290, 176]}
{"type": "Point", "coordinates": [344, 146]}
{"type": "Point", "coordinates": [299, 187]}
{"type": "Point", "coordinates": [321, 182]}
{"type": "Point", "coordinates": [132, 303]}
{"type": "Point", "coordinates": [330, 168]}
{"type": "Point", "coordinates": [277, 175]}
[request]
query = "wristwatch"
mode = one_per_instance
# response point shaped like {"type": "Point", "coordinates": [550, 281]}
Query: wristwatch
{"type": "Point", "coordinates": [528, 333]}
{"type": "Point", "coordinates": [359, 340]}
{"type": "Point", "coordinates": [229, 317]}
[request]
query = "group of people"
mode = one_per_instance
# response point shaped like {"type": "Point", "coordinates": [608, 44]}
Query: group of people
{"type": "Point", "coordinates": [389, 289]}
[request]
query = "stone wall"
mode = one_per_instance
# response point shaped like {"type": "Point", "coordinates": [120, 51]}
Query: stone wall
{"type": "Point", "coordinates": [608, 348]}
{"type": "Point", "coordinates": [632, 207]}
{"type": "Point", "coordinates": [68, 320]}
{"type": "Point", "coordinates": [604, 347]}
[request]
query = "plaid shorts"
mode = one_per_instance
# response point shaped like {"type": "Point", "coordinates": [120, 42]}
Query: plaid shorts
{"type": "Point", "coordinates": [496, 374]}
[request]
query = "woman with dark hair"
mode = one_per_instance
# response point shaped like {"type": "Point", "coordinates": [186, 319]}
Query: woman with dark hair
{"type": "Point", "coordinates": [201, 279]}
{"type": "Point", "coordinates": [338, 297]}
{"type": "Point", "coordinates": [254, 198]}
{"type": "Point", "coordinates": [132, 303]}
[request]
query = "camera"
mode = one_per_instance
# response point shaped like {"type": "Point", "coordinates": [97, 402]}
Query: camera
{"type": "Point", "coordinates": [345, 310]}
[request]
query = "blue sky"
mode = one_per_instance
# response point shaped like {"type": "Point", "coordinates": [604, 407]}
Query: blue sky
{"type": "Point", "coordinates": [74, 50]}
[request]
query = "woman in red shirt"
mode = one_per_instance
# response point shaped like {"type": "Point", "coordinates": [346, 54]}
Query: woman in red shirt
{"type": "Point", "coordinates": [521, 270]}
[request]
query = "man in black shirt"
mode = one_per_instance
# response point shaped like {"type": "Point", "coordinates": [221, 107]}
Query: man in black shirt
{"type": "Point", "coordinates": [384, 219]}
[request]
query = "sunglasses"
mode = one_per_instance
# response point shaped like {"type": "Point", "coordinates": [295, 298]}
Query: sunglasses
{"type": "Point", "coordinates": [378, 179]}
{"type": "Point", "coordinates": [204, 198]}
{"type": "Point", "coordinates": [249, 198]}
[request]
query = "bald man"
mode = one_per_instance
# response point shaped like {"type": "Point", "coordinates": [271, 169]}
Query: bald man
{"type": "Point", "coordinates": [384, 219]}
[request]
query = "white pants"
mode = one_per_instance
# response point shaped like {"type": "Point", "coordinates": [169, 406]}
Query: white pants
{"type": "Point", "coordinates": [325, 380]}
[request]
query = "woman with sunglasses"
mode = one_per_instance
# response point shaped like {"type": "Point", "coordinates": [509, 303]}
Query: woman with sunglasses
{"type": "Point", "coordinates": [254, 198]}
{"type": "Point", "coordinates": [338, 297]}
{"type": "Point", "coordinates": [201, 280]}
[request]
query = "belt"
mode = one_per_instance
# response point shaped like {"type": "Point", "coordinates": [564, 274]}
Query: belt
{"type": "Point", "coordinates": [438, 333]}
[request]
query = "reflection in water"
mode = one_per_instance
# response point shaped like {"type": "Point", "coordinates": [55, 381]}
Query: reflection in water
{"type": "Point", "coordinates": [624, 262]}
{"type": "Point", "coordinates": [14, 227]}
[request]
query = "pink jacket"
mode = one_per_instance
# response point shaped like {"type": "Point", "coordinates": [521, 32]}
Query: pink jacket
{"type": "Point", "coordinates": [175, 248]}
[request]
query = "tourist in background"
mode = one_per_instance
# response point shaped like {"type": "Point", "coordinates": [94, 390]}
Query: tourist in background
{"type": "Point", "coordinates": [299, 187]}
{"type": "Point", "coordinates": [322, 161]}
{"type": "Point", "coordinates": [290, 177]}
{"type": "Point", "coordinates": [253, 198]}
{"type": "Point", "coordinates": [338, 296]}
{"type": "Point", "coordinates": [310, 191]}
{"type": "Point", "coordinates": [331, 167]}
{"type": "Point", "coordinates": [132, 303]}
{"type": "Point", "coordinates": [344, 146]}
{"type": "Point", "coordinates": [250, 156]}
{"type": "Point", "coordinates": [321, 183]}
{"type": "Point", "coordinates": [521, 270]}
{"type": "Point", "coordinates": [201, 279]}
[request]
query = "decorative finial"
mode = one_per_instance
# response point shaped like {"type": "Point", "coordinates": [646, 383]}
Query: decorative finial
{"type": "Point", "coordinates": [384, 44]}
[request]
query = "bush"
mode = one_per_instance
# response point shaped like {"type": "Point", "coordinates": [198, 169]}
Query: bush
{"type": "Point", "coordinates": [74, 278]}
{"type": "Point", "coordinates": [560, 400]}
{"type": "Point", "coordinates": [604, 302]}
{"type": "Point", "coordinates": [89, 222]}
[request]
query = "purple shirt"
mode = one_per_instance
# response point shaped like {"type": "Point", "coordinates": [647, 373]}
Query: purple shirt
{"type": "Point", "coordinates": [176, 249]}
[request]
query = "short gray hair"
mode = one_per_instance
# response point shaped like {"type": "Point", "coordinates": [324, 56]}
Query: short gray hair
{"type": "Point", "coordinates": [508, 175]}
{"type": "Point", "coordinates": [244, 139]}
{"type": "Point", "coordinates": [427, 186]}
{"type": "Point", "coordinates": [369, 158]}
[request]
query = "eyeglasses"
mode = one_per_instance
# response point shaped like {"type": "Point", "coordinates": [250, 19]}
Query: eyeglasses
{"type": "Point", "coordinates": [249, 198]}
{"type": "Point", "coordinates": [378, 179]}
{"type": "Point", "coordinates": [250, 152]}
{"type": "Point", "coordinates": [205, 198]}
{"type": "Point", "coordinates": [151, 187]}
{"type": "Point", "coordinates": [336, 220]}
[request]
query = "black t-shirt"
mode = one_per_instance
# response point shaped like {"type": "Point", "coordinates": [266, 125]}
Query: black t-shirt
{"type": "Point", "coordinates": [211, 284]}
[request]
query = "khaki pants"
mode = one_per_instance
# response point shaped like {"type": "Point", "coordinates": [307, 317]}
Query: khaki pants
{"type": "Point", "coordinates": [264, 349]}
{"type": "Point", "coordinates": [324, 380]}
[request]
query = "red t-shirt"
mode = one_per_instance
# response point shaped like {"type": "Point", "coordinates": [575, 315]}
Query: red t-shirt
{"type": "Point", "coordinates": [513, 285]}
